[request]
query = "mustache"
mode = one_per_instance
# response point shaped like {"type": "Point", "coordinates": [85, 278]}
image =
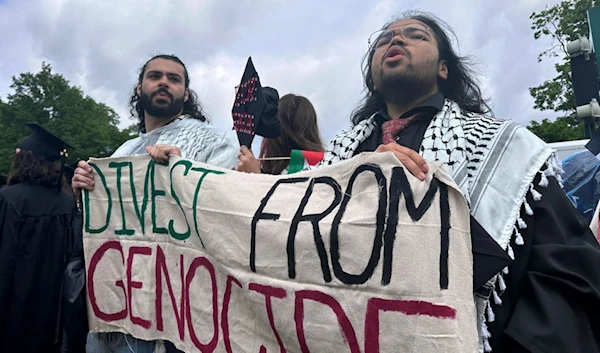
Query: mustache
{"type": "Point", "coordinates": [162, 90]}
{"type": "Point", "coordinates": [402, 47]}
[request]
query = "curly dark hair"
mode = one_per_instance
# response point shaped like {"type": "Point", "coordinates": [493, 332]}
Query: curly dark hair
{"type": "Point", "coordinates": [191, 107]}
{"type": "Point", "coordinates": [460, 86]}
{"type": "Point", "coordinates": [28, 167]}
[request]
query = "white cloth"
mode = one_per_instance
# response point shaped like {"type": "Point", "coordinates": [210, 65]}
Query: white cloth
{"type": "Point", "coordinates": [197, 141]}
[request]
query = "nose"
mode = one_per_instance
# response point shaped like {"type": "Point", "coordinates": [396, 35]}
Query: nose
{"type": "Point", "coordinates": [398, 40]}
{"type": "Point", "coordinates": [164, 82]}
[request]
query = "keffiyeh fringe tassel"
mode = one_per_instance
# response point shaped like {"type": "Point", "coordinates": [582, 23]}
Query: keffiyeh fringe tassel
{"type": "Point", "coordinates": [553, 168]}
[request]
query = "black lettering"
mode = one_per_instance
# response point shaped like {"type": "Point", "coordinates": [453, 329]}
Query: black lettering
{"type": "Point", "coordinates": [269, 216]}
{"type": "Point", "coordinates": [314, 219]}
{"type": "Point", "coordinates": [444, 235]}
{"type": "Point", "coordinates": [399, 185]}
{"type": "Point", "coordinates": [343, 276]}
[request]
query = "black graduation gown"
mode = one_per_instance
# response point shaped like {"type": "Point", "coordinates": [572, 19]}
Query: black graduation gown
{"type": "Point", "coordinates": [35, 231]}
{"type": "Point", "coordinates": [553, 286]}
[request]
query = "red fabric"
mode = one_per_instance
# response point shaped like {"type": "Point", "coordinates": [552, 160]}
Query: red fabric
{"type": "Point", "coordinates": [391, 128]}
{"type": "Point", "coordinates": [313, 158]}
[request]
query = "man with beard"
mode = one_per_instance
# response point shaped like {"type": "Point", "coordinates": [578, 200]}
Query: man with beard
{"type": "Point", "coordinates": [170, 122]}
{"type": "Point", "coordinates": [423, 104]}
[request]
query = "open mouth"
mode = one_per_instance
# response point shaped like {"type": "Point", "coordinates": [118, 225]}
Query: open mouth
{"type": "Point", "coordinates": [394, 53]}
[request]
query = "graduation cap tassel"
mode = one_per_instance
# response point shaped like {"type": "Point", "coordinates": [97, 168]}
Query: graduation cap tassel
{"type": "Point", "coordinates": [63, 159]}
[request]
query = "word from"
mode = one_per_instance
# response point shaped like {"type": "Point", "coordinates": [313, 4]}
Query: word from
{"type": "Point", "coordinates": [385, 232]}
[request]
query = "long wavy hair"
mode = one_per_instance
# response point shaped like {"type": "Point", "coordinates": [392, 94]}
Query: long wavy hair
{"type": "Point", "coordinates": [191, 107]}
{"type": "Point", "coordinates": [299, 130]}
{"type": "Point", "coordinates": [28, 167]}
{"type": "Point", "coordinates": [460, 86]}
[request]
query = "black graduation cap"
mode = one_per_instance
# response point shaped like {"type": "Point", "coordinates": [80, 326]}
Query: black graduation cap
{"type": "Point", "coordinates": [43, 143]}
{"type": "Point", "coordinates": [255, 108]}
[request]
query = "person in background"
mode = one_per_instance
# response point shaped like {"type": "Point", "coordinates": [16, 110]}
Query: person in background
{"type": "Point", "coordinates": [36, 235]}
{"type": "Point", "coordinates": [423, 104]}
{"type": "Point", "coordinates": [299, 130]}
{"type": "Point", "coordinates": [171, 122]}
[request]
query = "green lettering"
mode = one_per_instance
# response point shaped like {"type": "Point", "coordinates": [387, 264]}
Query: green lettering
{"type": "Point", "coordinates": [119, 166]}
{"type": "Point", "coordinates": [196, 193]}
{"type": "Point", "coordinates": [174, 234]}
{"type": "Point", "coordinates": [86, 204]}
{"type": "Point", "coordinates": [149, 175]}
{"type": "Point", "coordinates": [156, 193]}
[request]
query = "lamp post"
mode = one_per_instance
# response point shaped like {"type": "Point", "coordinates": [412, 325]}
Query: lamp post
{"type": "Point", "coordinates": [584, 75]}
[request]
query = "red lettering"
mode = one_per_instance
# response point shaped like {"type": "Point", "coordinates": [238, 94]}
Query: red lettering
{"type": "Point", "coordinates": [225, 312]}
{"type": "Point", "coordinates": [407, 307]}
{"type": "Point", "coordinates": [345, 325]}
{"type": "Point", "coordinates": [269, 292]}
{"type": "Point", "coordinates": [161, 267]}
{"type": "Point", "coordinates": [202, 261]}
{"type": "Point", "coordinates": [141, 250]}
{"type": "Point", "coordinates": [115, 245]}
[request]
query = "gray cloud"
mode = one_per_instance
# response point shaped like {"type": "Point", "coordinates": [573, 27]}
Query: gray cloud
{"type": "Point", "coordinates": [310, 48]}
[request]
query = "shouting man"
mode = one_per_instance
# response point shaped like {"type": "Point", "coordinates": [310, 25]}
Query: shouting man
{"type": "Point", "coordinates": [171, 122]}
{"type": "Point", "coordinates": [423, 104]}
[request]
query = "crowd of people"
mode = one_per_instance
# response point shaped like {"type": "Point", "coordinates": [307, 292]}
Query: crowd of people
{"type": "Point", "coordinates": [422, 104]}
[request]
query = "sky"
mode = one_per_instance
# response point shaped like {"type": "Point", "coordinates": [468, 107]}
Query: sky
{"type": "Point", "coordinates": [310, 48]}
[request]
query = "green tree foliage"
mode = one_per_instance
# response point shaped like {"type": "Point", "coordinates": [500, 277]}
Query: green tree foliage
{"type": "Point", "coordinates": [48, 99]}
{"type": "Point", "coordinates": [562, 23]}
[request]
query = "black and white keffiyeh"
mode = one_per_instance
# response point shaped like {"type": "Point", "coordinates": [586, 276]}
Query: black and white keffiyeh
{"type": "Point", "coordinates": [492, 161]}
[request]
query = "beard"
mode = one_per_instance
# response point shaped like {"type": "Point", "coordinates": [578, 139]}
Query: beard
{"type": "Point", "coordinates": [403, 86]}
{"type": "Point", "coordinates": [161, 110]}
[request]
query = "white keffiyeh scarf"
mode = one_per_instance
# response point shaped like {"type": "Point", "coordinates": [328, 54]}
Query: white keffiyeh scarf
{"type": "Point", "coordinates": [494, 163]}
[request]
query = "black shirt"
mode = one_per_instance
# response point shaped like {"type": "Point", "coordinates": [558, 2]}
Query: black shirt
{"type": "Point", "coordinates": [412, 136]}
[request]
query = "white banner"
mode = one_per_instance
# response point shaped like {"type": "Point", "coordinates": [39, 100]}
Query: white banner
{"type": "Point", "coordinates": [355, 257]}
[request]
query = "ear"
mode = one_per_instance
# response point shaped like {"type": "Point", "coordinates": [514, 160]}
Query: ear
{"type": "Point", "coordinates": [443, 70]}
{"type": "Point", "coordinates": [138, 89]}
{"type": "Point", "coordinates": [186, 95]}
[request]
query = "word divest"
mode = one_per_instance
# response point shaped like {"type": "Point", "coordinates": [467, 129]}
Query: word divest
{"type": "Point", "coordinates": [355, 257]}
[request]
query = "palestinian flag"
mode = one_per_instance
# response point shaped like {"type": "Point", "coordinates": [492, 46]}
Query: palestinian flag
{"type": "Point", "coordinates": [302, 159]}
